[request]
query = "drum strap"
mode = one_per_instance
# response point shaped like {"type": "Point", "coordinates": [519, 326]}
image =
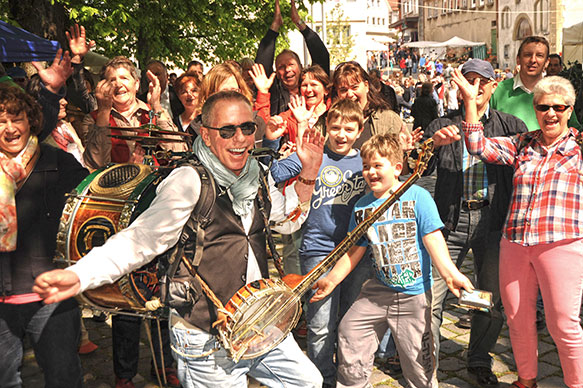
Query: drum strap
{"type": "Point", "coordinates": [271, 250]}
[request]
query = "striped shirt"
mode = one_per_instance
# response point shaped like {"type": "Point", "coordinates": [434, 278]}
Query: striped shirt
{"type": "Point", "coordinates": [547, 192]}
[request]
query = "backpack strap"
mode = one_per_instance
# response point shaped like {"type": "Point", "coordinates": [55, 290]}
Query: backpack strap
{"type": "Point", "coordinates": [191, 241]}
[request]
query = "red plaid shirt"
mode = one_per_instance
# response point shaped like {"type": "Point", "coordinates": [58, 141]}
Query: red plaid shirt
{"type": "Point", "coordinates": [547, 195]}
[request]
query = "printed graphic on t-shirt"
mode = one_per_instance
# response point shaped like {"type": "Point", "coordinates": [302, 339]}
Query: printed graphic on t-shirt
{"type": "Point", "coordinates": [337, 187]}
{"type": "Point", "coordinates": [393, 241]}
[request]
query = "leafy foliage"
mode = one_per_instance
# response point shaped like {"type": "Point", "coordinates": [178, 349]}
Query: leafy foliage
{"type": "Point", "coordinates": [169, 30]}
{"type": "Point", "coordinates": [338, 37]}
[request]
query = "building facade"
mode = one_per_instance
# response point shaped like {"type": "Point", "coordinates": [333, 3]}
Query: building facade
{"type": "Point", "coordinates": [362, 25]}
{"type": "Point", "coordinates": [521, 18]}
{"type": "Point", "coordinates": [473, 20]}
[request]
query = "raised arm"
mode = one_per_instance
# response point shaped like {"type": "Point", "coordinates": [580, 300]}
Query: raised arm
{"type": "Point", "coordinates": [266, 49]}
{"type": "Point", "coordinates": [498, 150]}
{"type": "Point", "coordinates": [77, 92]}
{"type": "Point", "coordinates": [317, 48]}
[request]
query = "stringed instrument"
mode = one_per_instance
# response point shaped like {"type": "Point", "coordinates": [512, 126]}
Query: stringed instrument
{"type": "Point", "coordinates": [262, 313]}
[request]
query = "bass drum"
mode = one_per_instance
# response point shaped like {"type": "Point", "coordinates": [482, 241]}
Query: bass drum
{"type": "Point", "coordinates": [106, 202]}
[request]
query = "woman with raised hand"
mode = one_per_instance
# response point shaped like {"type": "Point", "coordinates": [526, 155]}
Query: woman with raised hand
{"type": "Point", "coordinates": [288, 66]}
{"type": "Point", "coordinates": [34, 178]}
{"type": "Point", "coordinates": [542, 243]}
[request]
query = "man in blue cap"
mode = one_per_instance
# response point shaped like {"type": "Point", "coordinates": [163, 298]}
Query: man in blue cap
{"type": "Point", "coordinates": [472, 199]}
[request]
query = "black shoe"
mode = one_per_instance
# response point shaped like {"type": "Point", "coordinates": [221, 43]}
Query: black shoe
{"type": "Point", "coordinates": [465, 321]}
{"type": "Point", "coordinates": [484, 376]}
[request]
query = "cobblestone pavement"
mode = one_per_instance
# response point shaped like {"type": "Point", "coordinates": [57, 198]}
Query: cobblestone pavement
{"type": "Point", "coordinates": [98, 366]}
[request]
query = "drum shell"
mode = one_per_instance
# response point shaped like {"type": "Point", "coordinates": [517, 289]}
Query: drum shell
{"type": "Point", "coordinates": [89, 219]}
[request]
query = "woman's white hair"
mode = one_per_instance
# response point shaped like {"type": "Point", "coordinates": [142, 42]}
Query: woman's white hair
{"type": "Point", "coordinates": [555, 85]}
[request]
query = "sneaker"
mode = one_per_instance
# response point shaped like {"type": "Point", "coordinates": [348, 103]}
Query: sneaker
{"type": "Point", "coordinates": [484, 376]}
{"type": "Point", "coordinates": [123, 383]}
{"type": "Point", "coordinates": [87, 347]}
{"type": "Point", "coordinates": [171, 376]}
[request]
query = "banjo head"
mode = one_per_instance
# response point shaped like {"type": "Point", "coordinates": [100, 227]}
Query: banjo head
{"type": "Point", "coordinates": [261, 314]}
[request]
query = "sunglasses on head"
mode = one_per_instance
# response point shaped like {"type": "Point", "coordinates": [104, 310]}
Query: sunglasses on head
{"type": "Point", "coordinates": [556, 108]}
{"type": "Point", "coordinates": [228, 131]}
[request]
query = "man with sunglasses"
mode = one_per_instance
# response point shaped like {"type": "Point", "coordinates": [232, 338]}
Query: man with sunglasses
{"type": "Point", "coordinates": [234, 246]}
{"type": "Point", "coordinates": [472, 199]}
{"type": "Point", "coordinates": [514, 95]}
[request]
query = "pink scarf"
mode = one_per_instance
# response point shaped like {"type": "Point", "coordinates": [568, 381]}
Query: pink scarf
{"type": "Point", "coordinates": [13, 171]}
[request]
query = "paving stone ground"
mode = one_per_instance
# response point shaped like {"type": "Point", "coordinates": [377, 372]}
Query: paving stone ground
{"type": "Point", "coordinates": [98, 366]}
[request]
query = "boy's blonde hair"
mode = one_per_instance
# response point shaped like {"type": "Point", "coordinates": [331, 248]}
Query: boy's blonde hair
{"type": "Point", "coordinates": [386, 145]}
{"type": "Point", "coordinates": [346, 110]}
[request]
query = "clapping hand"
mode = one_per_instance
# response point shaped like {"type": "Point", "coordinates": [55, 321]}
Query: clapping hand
{"type": "Point", "coordinates": [277, 19]}
{"type": "Point", "coordinates": [154, 92]}
{"type": "Point", "coordinates": [55, 76]}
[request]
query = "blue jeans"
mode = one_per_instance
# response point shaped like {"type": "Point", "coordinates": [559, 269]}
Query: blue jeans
{"type": "Point", "coordinates": [200, 365]}
{"type": "Point", "coordinates": [387, 346]}
{"type": "Point", "coordinates": [53, 331]}
{"type": "Point", "coordinates": [323, 317]}
{"type": "Point", "coordinates": [472, 232]}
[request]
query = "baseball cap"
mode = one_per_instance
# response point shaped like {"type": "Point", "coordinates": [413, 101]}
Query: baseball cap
{"type": "Point", "coordinates": [484, 68]}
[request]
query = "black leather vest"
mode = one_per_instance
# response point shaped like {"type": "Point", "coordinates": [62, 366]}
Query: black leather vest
{"type": "Point", "coordinates": [224, 263]}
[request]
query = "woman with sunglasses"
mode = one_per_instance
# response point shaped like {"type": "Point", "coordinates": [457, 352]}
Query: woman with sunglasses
{"type": "Point", "coordinates": [352, 82]}
{"type": "Point", "coordinates": [542, 245]}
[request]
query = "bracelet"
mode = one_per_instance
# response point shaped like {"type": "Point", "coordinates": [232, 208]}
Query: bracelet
{"type": "Point", "coordinates": [309, 182]}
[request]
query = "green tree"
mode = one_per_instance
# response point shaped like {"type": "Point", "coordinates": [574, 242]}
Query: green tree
{"type": "Point", "coordinates": [338, 37]}
{"type": "Point", "coordinates": [170, 30]}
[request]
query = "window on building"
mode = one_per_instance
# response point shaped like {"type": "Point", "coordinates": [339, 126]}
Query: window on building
{"type": "Point", "coordinates": [505, 18]}
{"type": "Point", "coordinates": [522, 28]}
{"type": "Point", "coordinates": [443, 6]}
{"type": "Point", "coordinates": [472, 3]}
{"type": "Point", "coordinates": [464, 4]}
{"type": "Point", "coordinates": [506, 51]}
{"type": "Point", "coordinates": [481, 3]}
{"type": "Point", "coordinates": [541, 16]}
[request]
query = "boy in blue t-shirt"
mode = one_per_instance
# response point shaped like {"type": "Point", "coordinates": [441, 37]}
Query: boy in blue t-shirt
{"type": "Point", "coordinates": [403, 242]}
{"type": "Point", "coordinates": [338, 186]}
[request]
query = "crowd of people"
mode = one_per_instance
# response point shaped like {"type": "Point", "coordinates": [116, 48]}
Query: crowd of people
{"type": "Point", "coordinates": [508, 158]}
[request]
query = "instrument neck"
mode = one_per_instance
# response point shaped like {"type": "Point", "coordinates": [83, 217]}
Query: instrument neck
{"type": "Point", "coordinates": [353, 237]}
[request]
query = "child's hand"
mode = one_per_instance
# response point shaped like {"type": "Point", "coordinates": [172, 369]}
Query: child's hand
{"type": "Point", "coordinates": [276, 127]}
{"type": "Point", "coordinates": [324, 287]}
{"type": "Point", "coordinates": [287, 149]}
{"type": "Point", "coordinates": [457, 282]}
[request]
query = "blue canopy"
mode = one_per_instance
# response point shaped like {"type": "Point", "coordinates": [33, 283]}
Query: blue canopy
{"type": "Point", "coordinates": [18, 45]}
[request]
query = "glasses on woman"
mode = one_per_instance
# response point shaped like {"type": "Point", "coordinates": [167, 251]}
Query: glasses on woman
{"type": "Point", "coordinates": [228, 131]}
{"type": "Point", "coordinates": [556, 108]}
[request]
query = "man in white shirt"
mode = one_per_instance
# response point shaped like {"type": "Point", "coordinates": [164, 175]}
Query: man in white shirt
{"type": "Point", "coordinates": [234, 247]}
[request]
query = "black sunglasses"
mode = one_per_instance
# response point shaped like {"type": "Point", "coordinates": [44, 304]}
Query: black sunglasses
{"type": "Point", "coordinates": [228, 131]}
{"type": "Point", "coordinates": [556, 108]}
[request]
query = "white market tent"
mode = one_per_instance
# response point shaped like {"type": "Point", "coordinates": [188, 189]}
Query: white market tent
{"type": "Point", "coordinates": [456, 41]}
{"type": "Point", "coordinates": [573, 43]}
{"type": "Point", "coordinates": [453, 42]}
